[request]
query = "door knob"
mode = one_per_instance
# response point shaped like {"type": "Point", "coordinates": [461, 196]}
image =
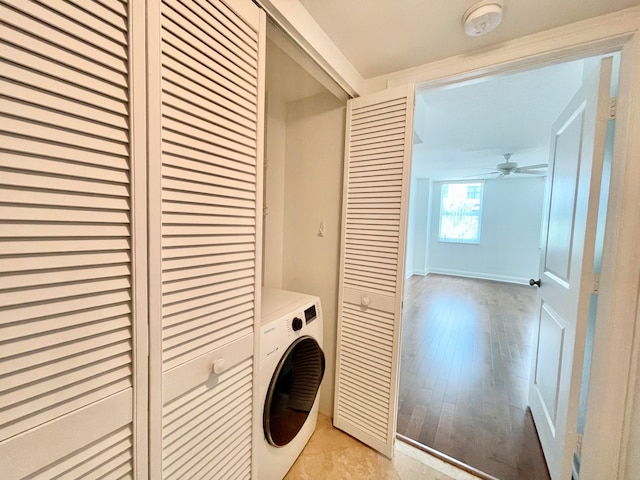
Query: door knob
{"type": "Point", "coordinates": [533, 282]}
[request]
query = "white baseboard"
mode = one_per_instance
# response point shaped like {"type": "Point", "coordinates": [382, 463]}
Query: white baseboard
{"type": "Point", "coordinates": [411, 273]}
{"type": "Point", "coordinates": [481, 276]}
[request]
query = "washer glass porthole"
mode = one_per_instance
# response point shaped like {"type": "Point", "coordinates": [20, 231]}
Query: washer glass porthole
{"type": "Point", "coordinates": [293, 390]}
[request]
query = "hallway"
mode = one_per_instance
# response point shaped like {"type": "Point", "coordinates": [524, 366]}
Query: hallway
{"type": "Point", "coordinates": [466, 350]}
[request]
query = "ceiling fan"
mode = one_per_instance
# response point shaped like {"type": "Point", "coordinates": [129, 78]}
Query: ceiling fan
{"type": "Point", "coordinates": [507, 168]}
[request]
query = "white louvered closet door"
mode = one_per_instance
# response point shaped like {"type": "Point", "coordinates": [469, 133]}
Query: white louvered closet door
{"type": "Point", "coordinates": [377, 174]}
{"type": "Point", "coordinates": [211, 81]}
{"type": "Point", "coordinates": [67, 344]}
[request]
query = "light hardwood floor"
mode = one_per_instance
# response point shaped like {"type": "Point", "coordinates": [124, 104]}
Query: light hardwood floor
{"type": "Point", "coordinates": [466, 350]}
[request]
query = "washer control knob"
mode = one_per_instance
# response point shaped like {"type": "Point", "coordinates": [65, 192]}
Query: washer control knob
{"type": "Point", "coordinates": [296, 324]}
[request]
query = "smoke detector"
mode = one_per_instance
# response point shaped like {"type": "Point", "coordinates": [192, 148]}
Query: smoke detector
{"type": "Point", "coordinates": [482, 17]}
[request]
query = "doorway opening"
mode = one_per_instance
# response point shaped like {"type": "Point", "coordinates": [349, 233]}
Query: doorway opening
{"type": "Point", "coordinates": [304, 158]}
{"type": "Point", "coordinates": [470, 319]}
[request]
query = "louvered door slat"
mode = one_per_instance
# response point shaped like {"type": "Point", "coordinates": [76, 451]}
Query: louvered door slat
{"type": "Point", "coordinates": [49, 199]}
{"type": "Point", "coordinates": [24, 178]}
{"type": "Point", "coordinates": [206, 121]}
{"type": "Point", "coordinates": [374, 219]}
{"type": "Point", "coordinates": [228, 41]}
{"type": "Point", "coordinates": [241, 36]}
{"type": "Point", "coordinates": [66, 321]}
{"type": "Point", "coordinates": [199, 51]}
{"type": "Point", "coordinates": [66, 58]}
{"type": "Point", "coordinates": [63, 260]}
{"type": "Point", "coordinates": [114, 10]}
{"type": "Point", "coordinates": [228, 321]}
{"type": "Point", "coordinates": [173, 136]}
{"type": "Point", "coordinates": [52, 133]}
{"type": "Point", "coordinates": [199, 198]}
{"type": "Point", "coordinates": [45, 370]}
{"type": "Point", "coordinates": [60, 336]}
{"type": "Point", "coordinates": [61, 119]}
{"type": "Point", "coordinates": [210, 307]}
{"type": "Point", "coordinates": [395, 135]}
{"type": "Point", "coordinates": [15, 331]}
{"type": "Point", "coordinates": [111, 12]}
{"type": "Point", "coordinates": [97, 18]}
{"type": "Point", "coordinates": [68, 35]}
{"type": "Point", "coordinates": [61, 74]}
{"type": "Point", "coordinates": [46, 157]}
{"type": "Point", "coordinates": [212, 157]}
{"type": "Point", "coordinates": [65, 91]}
{"type": "Point", "coordinates": [61, 104]}
{"type": "Point", "coordinates": [211, 96]}
{"type": "Point", "coordinates": [69, 378]}
{"type": "Point", "coordinates": [184, 80]}
{"type": "Point", "coordinates": [205, 176]}
{"type": "Point", "coordinates": [39, 164]}
{"type": "Point", "coordinates": [174, 244]}
{"type": "Point", "coordinates": [53, 245]}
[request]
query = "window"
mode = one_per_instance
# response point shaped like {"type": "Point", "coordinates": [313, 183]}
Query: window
{"type": "Point", "coordinates": [460, 211]}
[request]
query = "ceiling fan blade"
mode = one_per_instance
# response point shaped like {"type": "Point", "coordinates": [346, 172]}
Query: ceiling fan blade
{"type": "Point", "coordinates": [524, 172]}
{"type": "Point", "coordinates": [533, 167]}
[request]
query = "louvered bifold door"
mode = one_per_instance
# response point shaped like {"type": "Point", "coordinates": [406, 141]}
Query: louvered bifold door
{"type": "Point", "coordinates": [211, 64]}
{"type": "Point", "coordinates": [66, 322]}
{"type": "Point", "coordinates": [377, 172]}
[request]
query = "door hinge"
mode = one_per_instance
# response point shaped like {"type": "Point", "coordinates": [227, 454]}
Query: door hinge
{"type": "Point", "coordinates": [612, 108]}
{"type": "Point", "coordinates": [596, 283]}
{"type": "Point", "coordinates": [579, 445]}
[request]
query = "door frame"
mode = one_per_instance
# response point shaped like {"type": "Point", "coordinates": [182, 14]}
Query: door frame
{"type": "Point", "coordinates": [606, 443]}
{"type": "Point", "coordinates": [617, 340]}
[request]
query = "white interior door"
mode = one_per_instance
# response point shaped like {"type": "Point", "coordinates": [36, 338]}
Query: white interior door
{"type": "Point", "coordinates": [68, 233]}
{"type": "Point", "coordinates": [566, 267]}
{"type": "Point", "coordinates": [210, 114]}
{"type": "Point", "coordinates": [377, 172]}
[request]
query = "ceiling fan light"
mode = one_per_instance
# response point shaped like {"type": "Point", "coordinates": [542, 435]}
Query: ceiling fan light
{"type": "Point", "coordinates": [482, 18]}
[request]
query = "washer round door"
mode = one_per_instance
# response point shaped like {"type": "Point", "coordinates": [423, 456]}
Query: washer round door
{"type": "Point", "coordinates": [293, 390]}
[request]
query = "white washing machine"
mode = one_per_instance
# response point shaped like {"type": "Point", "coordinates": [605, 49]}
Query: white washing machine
{"type": "Point", "coordinates": [291, 368]}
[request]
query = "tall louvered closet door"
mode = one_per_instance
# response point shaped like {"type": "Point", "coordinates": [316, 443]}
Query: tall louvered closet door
{"type": "Point", "coordinates": [377, 173]}
{"type": "Point", "coordinates": [211, 69]}
{"type": "Point", "coordinates": [67, 279]}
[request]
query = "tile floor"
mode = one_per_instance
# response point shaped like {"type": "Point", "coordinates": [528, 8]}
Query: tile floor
{"type": "Point", "coordinates": [333, 455]}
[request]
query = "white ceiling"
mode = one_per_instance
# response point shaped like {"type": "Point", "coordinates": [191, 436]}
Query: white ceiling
{"type": "Point", "coordinates": [461, 130]}
{"type": "Point", "coordinates": [383, 36]}
{"type": "Point", "coordinates": [465, 130]}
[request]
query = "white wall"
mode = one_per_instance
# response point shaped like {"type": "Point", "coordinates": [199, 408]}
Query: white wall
{"type": "Point", "coordinates": [313, 194]}
{"type": "Point", "coordinates": [417, 230]}
{"type": "Point", "coordinates": [273, 242]}
{"type": "Point", "coordinates": [509, 248]}
{"type": "Point", "coordinates": [411, 230]}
